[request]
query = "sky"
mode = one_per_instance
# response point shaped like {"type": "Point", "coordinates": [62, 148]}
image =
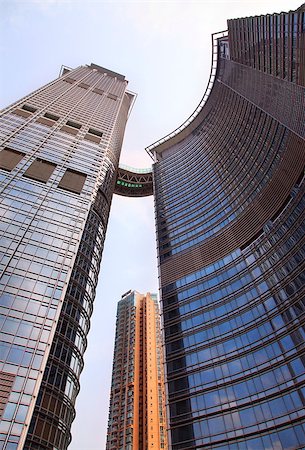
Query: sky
{"type": "Point", "coordinates": [164, 50]}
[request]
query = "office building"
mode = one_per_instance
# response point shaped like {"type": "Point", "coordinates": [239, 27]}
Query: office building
{"type": "Point", "coordinates": [137, 402]}
{"type": "Point", "coordinates": [229, 193]}
{"type": "Point", "coordinates": [60, 148]}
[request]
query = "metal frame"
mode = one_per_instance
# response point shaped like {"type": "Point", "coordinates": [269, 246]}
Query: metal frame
{"type": "Point", "coordinates": [133, 182]}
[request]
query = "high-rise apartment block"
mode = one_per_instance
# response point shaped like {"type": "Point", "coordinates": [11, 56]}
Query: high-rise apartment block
{"type": "Point", "coordinates": [229, 196]}
{"type": "Point", "coordinates": [137, 403]}
{"type": "Point", "coordinates": [229, 193]}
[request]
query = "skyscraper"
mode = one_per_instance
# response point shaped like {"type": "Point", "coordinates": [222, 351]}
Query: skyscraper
{"type": "Point", "coordinates": [137, 404]}
{"type": "Point", "coordinates": [229, 193]}
{"type": "Point", "coordinates": [59, 159]}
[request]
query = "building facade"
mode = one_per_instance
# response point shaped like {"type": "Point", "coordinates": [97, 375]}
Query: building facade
{"type": "Point", "coordinates": [229, 198]}
{"type": "Point", "coordinates": [137, 418]}
{"type": "Point", "coordinates": [59, 159]}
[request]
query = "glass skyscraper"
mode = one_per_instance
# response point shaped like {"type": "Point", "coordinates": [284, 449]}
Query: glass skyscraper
{"type": "Point", "coordinates": [59, 162]}
{"type": "Point", "coordinates": [229, 195]}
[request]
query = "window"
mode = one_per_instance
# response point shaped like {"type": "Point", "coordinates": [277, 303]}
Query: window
{"type": "Point", "coordinates": [6, 382]}
{"type": "Point", "coordinates": [94, 135]}
{"type": "Point", "coordinates": [29, 108]}
{"type": "Point", "coordinates": [72, 181]}
{"type": "Point", "coordinates": [9, 158]}
{"type": "Point", "coordinates": [95, 132]}
{"type": "Point", "coordinates": [98, 91]}
{"type": "Point", "coordinates": [21, 112]}
{"type": "Point", "coordinates": [84, 85]}
{"type": "Point", "coordinates": [48, 119]}
{"type": "Point", "coordinates": [74, 124]}
{"type": "Point", "coordinates": [51, 116]}
{"type": "Point", "coordinates": [112, 96]}
{"type": "Point", "coordinates": [40, 170]}
{"type": "Point", "coordinates": [69, 80]}
{"type": "Point", "coordinates": [71, 127]}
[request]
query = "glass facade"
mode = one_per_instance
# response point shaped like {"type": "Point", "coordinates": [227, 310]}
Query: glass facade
{"type": "Point", "coordinates": [235, 336]}
{"type": "Point", "coordinates": [229, 198]}
{"type": "Point", "coordinates": [271, 43]}
{"type": "Point", "coordinates": [56, 190]}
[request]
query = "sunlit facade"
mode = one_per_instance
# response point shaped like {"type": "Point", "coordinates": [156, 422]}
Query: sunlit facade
{"type": "Point", "coordinates": [229, 196]}
{"type": "Point", "coordinates": [137, 418]}
{"type": "Point", "coordinates": [59, 156]}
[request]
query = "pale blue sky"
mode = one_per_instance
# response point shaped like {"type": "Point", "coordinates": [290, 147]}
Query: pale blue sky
{"type": "Point", "coordinates": [163, 48]}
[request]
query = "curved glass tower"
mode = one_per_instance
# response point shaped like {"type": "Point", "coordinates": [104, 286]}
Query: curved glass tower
{"type": "Point", "coordinates": [229, 196]}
